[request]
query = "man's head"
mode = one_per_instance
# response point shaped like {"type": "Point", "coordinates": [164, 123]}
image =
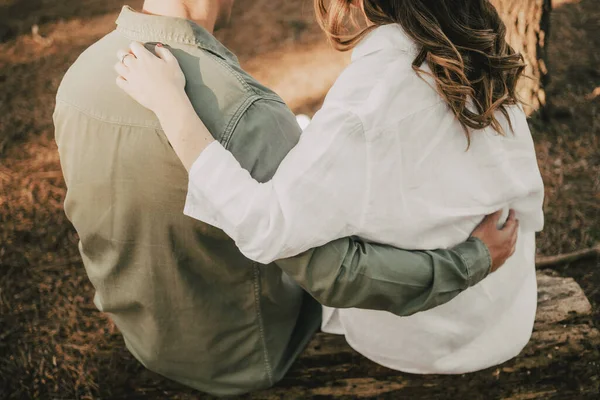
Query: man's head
{"type": "Point", "coordinates": [211, 14]}
{"type": "Point", "coordinates": [220, 10]}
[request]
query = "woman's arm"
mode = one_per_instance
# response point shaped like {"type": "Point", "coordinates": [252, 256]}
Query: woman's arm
{"type": "Point", "coordinates": [186, 132]}
{"type": "Point", "coordinates": [317, 195]}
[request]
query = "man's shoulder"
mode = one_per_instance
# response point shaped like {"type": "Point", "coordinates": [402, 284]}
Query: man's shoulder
{"type": "Point", "coordinates": [221, 89]}
{"type": "Point", "coordinates": [245, 116]}
{"type": "Point", "coordinates": [248, 118]}
{"type": "Point", "coordinates": [89, 87]}
{"type": "Point", "coordinates": [202, 66]}
{"type": "Point", "coordinates": [238, 110]}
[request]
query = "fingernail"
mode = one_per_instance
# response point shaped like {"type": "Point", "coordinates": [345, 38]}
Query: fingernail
{"type": "Point", "coordinates": [159, 45]}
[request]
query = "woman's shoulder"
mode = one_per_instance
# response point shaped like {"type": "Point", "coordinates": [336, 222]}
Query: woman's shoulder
{"type": "Point", "coordinates": [358, 80]}
{"type": "Point", "coordinates": [382, 88]}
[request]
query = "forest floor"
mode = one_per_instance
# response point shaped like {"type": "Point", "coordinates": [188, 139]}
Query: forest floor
{"type": "Point", "coordinates": [53, 342]}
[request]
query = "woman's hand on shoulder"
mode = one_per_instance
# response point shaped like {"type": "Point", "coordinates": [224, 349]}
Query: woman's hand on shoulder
{"type": "Point", "coordinates": [155, 81]}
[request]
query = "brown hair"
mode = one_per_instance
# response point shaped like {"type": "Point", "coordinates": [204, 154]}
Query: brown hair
{"type": "Point", "coordinates": [462, 41]}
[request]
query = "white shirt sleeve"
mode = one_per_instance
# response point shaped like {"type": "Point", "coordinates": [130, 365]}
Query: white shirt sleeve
{"type": "Point", "coordinates": [317, 195]}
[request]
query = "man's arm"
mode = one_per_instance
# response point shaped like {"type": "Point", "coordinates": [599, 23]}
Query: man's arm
{"type": "Point", "coordinates": [348, 272]}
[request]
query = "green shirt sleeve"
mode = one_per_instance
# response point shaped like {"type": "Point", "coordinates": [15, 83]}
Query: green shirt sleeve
{"type": "Point", "coordinates": [349, 272]}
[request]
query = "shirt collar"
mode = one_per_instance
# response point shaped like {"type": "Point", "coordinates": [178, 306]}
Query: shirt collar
{"type": "Point", "coordinates": [158, 28]}
{"type": "Point", "coordinates": [385, 37]}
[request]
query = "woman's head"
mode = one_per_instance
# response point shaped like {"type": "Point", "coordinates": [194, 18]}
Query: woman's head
{"type": "Point", "coordinates": [462, 41]}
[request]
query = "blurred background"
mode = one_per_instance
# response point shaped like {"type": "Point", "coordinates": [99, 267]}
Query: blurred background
{"type": "Point", "coordinates": [53, 342]}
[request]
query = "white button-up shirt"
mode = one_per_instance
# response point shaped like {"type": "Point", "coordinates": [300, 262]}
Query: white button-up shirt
{"type": "Point", "coordinates": [385, 159]}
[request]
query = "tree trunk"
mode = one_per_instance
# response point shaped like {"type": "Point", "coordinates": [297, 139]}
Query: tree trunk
{"type": "Point", "coordinates": [528, 25]}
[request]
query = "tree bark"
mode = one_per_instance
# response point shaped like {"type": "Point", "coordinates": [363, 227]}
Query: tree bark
{"type": "Point", "coordinates": [528, 28]}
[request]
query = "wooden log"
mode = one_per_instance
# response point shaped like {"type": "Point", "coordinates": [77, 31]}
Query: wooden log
{"type": "Point", "coordinates": [528, 27]}
{"type": "Point", "coordinates": [564, 330]}
{"type": "Point", "coordinates": [549, 261]}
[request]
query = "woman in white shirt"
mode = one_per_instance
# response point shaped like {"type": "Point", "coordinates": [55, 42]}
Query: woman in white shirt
{"type": "Point", "coordinates": [418, 139]}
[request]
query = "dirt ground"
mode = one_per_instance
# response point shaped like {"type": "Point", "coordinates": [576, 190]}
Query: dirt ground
{"type": "Point", "coordinates": [53, 342]}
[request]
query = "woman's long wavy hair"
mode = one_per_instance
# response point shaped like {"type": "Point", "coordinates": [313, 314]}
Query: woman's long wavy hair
{"type": "Point", "coordinates": [462, 41]}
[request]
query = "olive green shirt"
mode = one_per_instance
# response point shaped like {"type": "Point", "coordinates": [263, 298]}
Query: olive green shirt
{"type": "Point", "coordinates": [188, 304]}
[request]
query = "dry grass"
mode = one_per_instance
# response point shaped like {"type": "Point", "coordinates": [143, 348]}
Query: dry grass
{"type": "Point", "coordinates": [54, 344]}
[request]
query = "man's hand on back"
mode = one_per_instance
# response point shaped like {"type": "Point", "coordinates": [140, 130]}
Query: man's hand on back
{"type": "Point", "coordinates": [500, 242]}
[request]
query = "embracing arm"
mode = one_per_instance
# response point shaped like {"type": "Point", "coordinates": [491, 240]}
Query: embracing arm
{"type": "Point", "coordinates": [351, 273]}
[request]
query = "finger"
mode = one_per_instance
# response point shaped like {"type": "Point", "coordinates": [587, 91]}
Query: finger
{"type": "Point", "coordinates": [164, 53]}
{"type": "Point", "coordinates": [510, 225]}
{"type": "Point", "coordinates": [493, 219]}
{"type": "Point", "coordinates": [121, 53]}
{"type": "Point", "coordinates": [122, 70]}
{"type": "Point", "coordinates": [511, 215]}
{"type": "Point", "coordinates": [122, 83]}
{"type": "Point", "coordinates": [515, 236]}
{"type": "Point", "coordinates": [513, 247]}
{"type": "Point", "coordinates": [125, 57]}
{"type": "Point", "coordinates": [139, 50]}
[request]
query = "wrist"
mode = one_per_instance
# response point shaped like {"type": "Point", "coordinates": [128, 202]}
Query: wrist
{"type": "Point", "coordinates": [176, 109]}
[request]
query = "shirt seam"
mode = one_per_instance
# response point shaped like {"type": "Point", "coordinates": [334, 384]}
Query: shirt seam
{"type": "Point", "coordinates": [135, 34]}
{"type": "Point", "coordinates": [100, 118]}
{"type": "Point", "coordinates": [245, 83]}
{"type": "Point", "coordinates": [244, 106]}
{"type": "Point", "coordinates": [260, 323]}
{"type": "Point", "coordinates": [225, 137]}
{"type": "Point", "coordinates": [238, 76]}
{"type": "Point", "coordinates": [236, 118]}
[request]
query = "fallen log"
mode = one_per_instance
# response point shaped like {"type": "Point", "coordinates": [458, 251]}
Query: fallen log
{"type": "Point", "coordinates": [564, 331]}
{"type": "Point", "coordinates": [549, 261]}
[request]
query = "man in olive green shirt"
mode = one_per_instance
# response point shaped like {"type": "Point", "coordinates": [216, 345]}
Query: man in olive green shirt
{"type": "Point", "coordinates": [190, 306]}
